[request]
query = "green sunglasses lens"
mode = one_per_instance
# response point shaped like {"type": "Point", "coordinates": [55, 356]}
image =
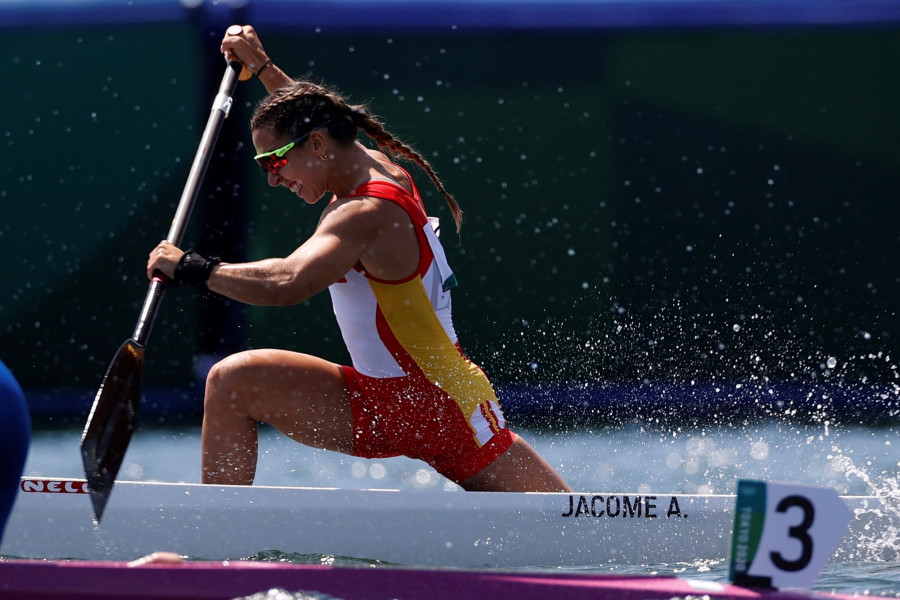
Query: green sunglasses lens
{"type": "Point", "coordinates": [278, 152]}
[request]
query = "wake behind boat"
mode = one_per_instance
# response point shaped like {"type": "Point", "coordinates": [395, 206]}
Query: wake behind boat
{"type": "Point", "coordinates": [52, 519]}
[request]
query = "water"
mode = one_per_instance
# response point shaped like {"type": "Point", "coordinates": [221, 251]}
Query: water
{"type": "Point", "coordinates": [631, 458]}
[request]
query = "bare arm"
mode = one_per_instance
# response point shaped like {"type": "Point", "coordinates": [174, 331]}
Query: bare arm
{"type": "Point", "coordinates": [342, 237]}
{"type": "Point", "coordinates": [247, 48]}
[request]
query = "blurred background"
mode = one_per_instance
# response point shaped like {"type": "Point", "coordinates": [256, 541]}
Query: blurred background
{"type": "Point", "coordinates": [673, 208]}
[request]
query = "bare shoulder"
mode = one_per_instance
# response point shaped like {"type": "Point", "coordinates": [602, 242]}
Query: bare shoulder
{"type": "Point", "coordinates": [378, 155]}
{"type": "Point", "coordinates": [390, 170]}
{"type": "Point", "coordinates": [358, 210]}
{"type": "Point", "coordinates": [368, 206]}
{"type": "Point", "coordinates": [381, 230]}
{"type": "Point", "coordinates": [363, 215]}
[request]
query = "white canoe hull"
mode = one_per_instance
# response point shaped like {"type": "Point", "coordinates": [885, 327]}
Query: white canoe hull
{"type": "Point", "coordinates": [53, 519]}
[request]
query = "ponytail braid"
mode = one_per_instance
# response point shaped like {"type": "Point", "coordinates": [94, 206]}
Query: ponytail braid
{"type": "Point", "coordinates": [299, 106]}
{"type": "Point", "coordinates": [373, 128]}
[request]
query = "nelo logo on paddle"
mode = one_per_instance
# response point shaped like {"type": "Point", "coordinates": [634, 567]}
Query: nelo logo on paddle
{"type": "Point", "coordinates": [54, 486]}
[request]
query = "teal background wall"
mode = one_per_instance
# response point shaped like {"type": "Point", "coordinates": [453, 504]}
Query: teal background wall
{"type": "Point", "coordinates": [661, 205]}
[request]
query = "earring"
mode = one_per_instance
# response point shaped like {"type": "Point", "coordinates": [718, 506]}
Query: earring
{"type": "Point", "coordinates": [324, 157]}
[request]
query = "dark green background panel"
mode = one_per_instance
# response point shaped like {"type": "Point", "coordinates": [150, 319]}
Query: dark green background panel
{"type": "Point", "coordinates": [665, 206]}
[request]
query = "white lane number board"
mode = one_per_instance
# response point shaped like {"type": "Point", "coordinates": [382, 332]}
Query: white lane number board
{"type": "Point", "coordinates": [784, 534]}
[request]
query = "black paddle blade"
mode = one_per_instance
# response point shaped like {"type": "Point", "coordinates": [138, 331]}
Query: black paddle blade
{"type": "Point", "coordinates": [111, 423]}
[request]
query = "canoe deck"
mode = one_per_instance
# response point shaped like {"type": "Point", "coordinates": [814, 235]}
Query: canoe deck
{"type": "Point", "coordinates": [52, 519]}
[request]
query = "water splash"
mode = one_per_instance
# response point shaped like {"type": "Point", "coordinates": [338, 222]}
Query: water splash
{"type": "Point", "coordinates": [878, 539]}
{"type": "Point", "coordinates": [674, 364]}
{"type": "Point", "coordinates": [282, 594]}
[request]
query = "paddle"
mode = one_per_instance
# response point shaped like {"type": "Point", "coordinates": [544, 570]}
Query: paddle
{"type": "Point", "coordinates": [114, 413]}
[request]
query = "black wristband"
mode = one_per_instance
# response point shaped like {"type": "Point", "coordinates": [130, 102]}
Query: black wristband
{"type": "Point", "coordinates": [263, 68]}
{"type": "Point", "coordinates": [194, 270]}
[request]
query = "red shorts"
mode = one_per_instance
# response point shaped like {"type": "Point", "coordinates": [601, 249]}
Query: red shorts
{"type": "Point", "coordinates": [402, 417]}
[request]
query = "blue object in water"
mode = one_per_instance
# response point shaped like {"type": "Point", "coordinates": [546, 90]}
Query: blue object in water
{"type": "Point", "coordinates": [15, 435]}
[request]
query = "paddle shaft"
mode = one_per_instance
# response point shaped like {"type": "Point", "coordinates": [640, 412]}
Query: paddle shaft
{"type": "Point", "coordinates": [220, 109]}
{"type": "Point", "coordinates": [114, 412]}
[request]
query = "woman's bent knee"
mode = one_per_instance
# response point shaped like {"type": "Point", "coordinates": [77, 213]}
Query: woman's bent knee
{"type": "Point", "coordinates": [221, 384]}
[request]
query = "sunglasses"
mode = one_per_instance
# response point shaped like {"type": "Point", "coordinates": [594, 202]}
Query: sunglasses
{"type": "Point", "coordinates": [271, 162]}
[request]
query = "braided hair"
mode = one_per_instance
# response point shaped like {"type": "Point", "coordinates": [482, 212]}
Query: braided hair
{"type": "Point", "coordinates": [302, 105]}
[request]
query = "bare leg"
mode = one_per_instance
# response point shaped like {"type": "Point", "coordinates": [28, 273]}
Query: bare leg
{"type": "Point", "coordinates": [302, 396]}
{"type": "Point", "coordinates": [519, 469]}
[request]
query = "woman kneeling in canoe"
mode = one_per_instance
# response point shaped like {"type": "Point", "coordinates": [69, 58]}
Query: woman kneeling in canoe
{"type": "Point", "coordinates": [411, 391]}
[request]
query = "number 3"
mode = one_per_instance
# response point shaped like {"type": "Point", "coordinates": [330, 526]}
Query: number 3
{"type": "Point", "coordinates": [799, 532]}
